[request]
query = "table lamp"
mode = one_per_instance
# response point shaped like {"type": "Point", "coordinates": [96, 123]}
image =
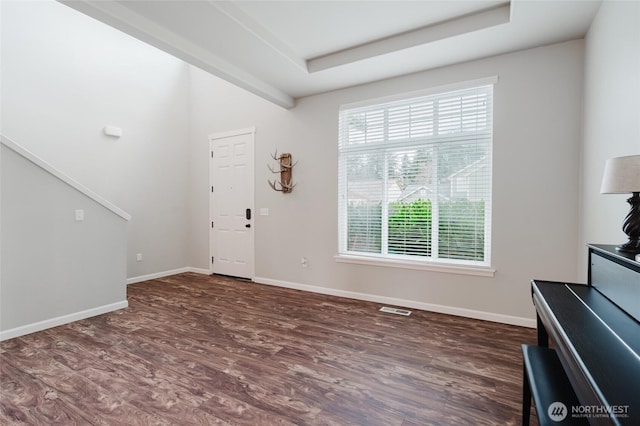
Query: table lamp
{"type": "Point", "coordinates": [622, 176]}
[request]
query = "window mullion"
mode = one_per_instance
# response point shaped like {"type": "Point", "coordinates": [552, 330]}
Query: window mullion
{"type": "Point", "coordinates": [384, 249]}
{"type": "Point", "coordinates": [435, 208]}
{"type": "Point", "coordinates": [343, 219]}
{"type": "Point", "coordinates": [435, 202]}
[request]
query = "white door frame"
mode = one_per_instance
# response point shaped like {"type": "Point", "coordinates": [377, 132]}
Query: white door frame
{"type": "Point", "coordinates": [212, 138]}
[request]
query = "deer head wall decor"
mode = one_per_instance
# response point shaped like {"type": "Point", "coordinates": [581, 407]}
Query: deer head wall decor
{"type": "Point", "coordinates": [285, 169]}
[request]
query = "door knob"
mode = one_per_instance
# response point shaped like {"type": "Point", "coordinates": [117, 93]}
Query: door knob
{"type": "Point", "coordinates": [248, 225]}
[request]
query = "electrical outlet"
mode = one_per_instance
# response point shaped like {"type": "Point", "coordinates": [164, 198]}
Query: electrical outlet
{"type": "Point", "coordinates": [139, 257]}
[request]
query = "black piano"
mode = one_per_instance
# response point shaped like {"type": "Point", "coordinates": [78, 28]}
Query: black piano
{"type": "Point", "coordinates": [595, 330]}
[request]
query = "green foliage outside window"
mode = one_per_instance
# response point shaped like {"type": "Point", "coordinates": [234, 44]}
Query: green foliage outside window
{"type": "Point", "coordinates": [460, 229]}
{"type": "Point", "coordinates": [410, 228]}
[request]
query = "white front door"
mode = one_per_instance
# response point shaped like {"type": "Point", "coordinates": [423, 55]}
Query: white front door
{"type": "Point", "coordinates": [231, 238]}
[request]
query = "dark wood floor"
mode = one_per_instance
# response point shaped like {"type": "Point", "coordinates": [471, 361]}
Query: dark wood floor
{"type": "Point", "coordinates": [193, 349]}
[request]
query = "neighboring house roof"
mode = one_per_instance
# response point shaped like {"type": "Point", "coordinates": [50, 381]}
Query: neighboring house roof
{"type": "Point", "coordinates": [469, 169]}
{"type": "Point", "coordinates": [415, 192]}
{"type": "Point", "coordinates": [372, 190]}
{"type": "Point", "coordinates": [415, 189]}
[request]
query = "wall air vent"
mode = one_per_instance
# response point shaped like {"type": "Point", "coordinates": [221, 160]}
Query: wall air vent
{"type": "Point", "coordinates": [396, 311]}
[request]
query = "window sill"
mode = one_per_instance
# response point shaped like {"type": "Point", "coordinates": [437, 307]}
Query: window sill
{"type": "Point", "coordinates": [452, 268]}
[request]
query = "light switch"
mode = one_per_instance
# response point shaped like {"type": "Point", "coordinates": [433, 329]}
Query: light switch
{"type": "Point", "coordinates": [113, 131]}
{"type": "Point", "coordinates": [79, 215]}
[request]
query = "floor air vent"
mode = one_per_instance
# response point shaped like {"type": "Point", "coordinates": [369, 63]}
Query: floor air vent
{"type": "Point", "coordinates": [395, 311]}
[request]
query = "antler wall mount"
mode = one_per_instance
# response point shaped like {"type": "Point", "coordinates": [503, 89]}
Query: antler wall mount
{"type": "Point", "coordinates": [285, 169]}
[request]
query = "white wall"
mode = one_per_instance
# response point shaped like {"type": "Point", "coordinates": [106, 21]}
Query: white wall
{"type": "Point", "coordinates": [65, 76]}
{"type": "Point", "coordinates": [611, 117]}
{"type": "Point", "coordinates": [54, 269]}
{"type": "Point", "coordinates": [537, 133]}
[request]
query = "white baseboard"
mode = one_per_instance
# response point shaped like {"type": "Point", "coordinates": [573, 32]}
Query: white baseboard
{"type": "Point", "coordinates": [431, 307]}
{"type": "Point", "coordinates": [163, 274]}
{"type": "Point", "coordinates": [77, 316]}
{"type": "Point", "coordinates": [451, 310]}
{"type": "Point", "coordinates": [64, 319]}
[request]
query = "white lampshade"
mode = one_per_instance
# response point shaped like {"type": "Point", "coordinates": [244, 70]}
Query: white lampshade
{"type": "Point", "coordinates": [621, 175]}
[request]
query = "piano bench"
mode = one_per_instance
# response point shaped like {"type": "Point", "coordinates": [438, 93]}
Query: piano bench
{"type": "Point", "coordinates": [545, 380]}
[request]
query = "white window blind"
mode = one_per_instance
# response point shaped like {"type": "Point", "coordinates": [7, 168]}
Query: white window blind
{"type": "Point", "coordinates": [415, 178]}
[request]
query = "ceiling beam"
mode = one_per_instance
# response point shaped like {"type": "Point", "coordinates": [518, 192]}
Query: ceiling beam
{"type": "Point", "coordinates": [453, 27]}
{"type": "Point", "coordinates": [260, 32]}
{"type": "Point", "coordinates": [124, 19]}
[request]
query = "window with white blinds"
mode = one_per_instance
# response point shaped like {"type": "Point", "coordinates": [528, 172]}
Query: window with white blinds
{"type": "Point", "coordinates": [415, 178]}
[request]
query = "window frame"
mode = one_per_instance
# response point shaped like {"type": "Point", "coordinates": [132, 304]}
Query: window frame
{"type": "Point", "coordinates": [467, 267]}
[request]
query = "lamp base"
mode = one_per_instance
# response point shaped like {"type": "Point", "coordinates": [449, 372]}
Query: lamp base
{"type": "Point", "coordinates": [631, 226]}
{"type": "Point", "coordinates": [629, 247]}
